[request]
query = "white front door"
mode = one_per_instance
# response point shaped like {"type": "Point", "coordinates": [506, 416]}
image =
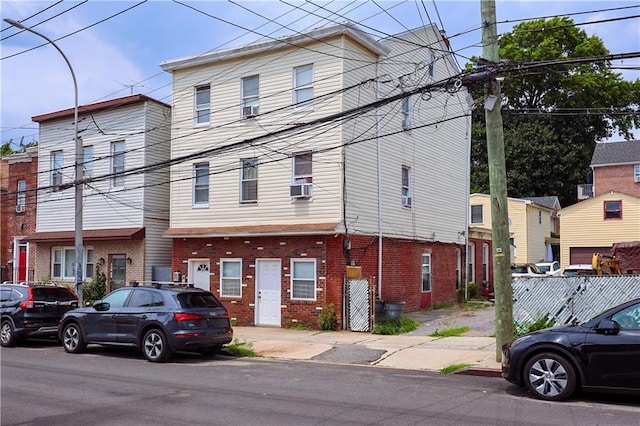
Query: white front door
{"type": "Point", "coordinates": [268, 292]}
{"type": "Point", "coordinates": [200, 273]}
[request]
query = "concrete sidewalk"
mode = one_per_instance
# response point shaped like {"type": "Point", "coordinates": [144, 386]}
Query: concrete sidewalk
{"type": "Point", "coordinates": [412, 351]}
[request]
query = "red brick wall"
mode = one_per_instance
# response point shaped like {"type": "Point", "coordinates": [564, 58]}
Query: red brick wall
{"type": "Point", "coordinates": [402, 271]}
{"type": "Point", "coordinates": [615, 178]}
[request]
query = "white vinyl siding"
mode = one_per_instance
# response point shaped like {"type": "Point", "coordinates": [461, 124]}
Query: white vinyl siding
{"type": "Point", "coordinates": [202, 112]}
{"type": "Point", "coordinates": [303, 279]}
{"type": "Point", "coordinates": [231, 277]}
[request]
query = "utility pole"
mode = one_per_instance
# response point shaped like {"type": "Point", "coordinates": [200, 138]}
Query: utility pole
{"type": "Point", "coordinates": [497, 184]}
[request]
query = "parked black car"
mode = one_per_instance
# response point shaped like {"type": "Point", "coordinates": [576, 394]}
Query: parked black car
{"type": "Point", "coordinates": [158, 320]}
{"type": "Point", "coordinates": [602, 354]}
{"type": "Point", "coordinates": [32, 310]}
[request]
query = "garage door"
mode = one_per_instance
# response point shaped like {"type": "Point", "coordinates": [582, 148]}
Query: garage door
{"type": "Point", "coordinates": [584, 254]}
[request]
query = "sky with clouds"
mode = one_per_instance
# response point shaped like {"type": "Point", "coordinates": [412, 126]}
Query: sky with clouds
{"type": "Point", "coordinates": [115, 47]}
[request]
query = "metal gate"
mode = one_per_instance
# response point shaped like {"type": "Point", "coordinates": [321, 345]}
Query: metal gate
{"type": "Point", "coordinates": [359, 304]}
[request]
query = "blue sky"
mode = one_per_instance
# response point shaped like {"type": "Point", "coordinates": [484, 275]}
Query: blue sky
{"type": "Point", "coordinates": [122, 54]}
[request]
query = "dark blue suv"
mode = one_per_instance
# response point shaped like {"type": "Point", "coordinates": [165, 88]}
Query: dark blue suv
{"type": "Point", "coordinates": [156, 319]}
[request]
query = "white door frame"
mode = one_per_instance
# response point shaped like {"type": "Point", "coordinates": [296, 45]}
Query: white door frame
{"type": "Point", "coordinates": [277, 319]}
{"type": "Point", "coordinates": [191, 271]}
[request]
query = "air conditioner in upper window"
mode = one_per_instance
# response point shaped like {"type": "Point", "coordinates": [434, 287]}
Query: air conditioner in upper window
{"type": "Point", "coordinates": [19, 208]}
{"type": "Point", "coordinates": [301, 191]}
{"type": "Point", "coordinates": [250, 111]}
{"type": "Point", "coordinates": [406, 124]}
{"type": "Point", "coordinates": [406, 201]}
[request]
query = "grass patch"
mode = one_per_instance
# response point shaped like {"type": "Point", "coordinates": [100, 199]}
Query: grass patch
{"type": "Point", "coordinates": [443, 305]}
{"type": "Point", "coordinates": [301, 326]}
{"type": "Point", "coordinates": [475, 305]}
{"type": "Point", "coordinates": [239, 348]}
{"type": "Point", "coordinates": [453, 368]}
{"type": "Point", "coordinates": [450, 332]}
{"type": "Point", "coordinates": [395, 327]}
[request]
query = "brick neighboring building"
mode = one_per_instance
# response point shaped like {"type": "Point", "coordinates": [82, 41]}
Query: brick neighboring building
{"type": "Point", "coordinates": [616, 167]}
{"type": "Point", "coordinates": [18, 216]}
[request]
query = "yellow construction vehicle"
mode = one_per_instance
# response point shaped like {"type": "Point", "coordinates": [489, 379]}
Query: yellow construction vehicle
{"type": "Point", "coordinates": [599, 261]}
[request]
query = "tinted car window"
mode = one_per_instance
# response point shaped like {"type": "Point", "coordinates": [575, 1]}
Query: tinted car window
{"type": "Point", "coordinates": [198, 300]}
{"type": "Point", "coordinates": [117, 299]}
{"type": "Point", "coordinates": [52, 294]}
{"type": "Point", "coordinates": [628, 318]}
{"type": "Point", "coordinates": [5, 294]}
{"type": "Point", "coordinates": [140, 298]}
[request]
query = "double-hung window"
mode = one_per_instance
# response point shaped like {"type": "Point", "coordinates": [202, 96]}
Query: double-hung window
{"type": "Point", "coordinates": [57, 163]}
{"type": "Point", "coordinates": [302, 168]}
{"type": "Point", "coordinates": [432, 65]}
{"type": "Point", "coordinates": [613, 209]}
{"type": "Point", "coordinates": [406, 186]}
{"type": "Point", "coordinates": [303, 87]}
{"type": "Point", "coordinates": [231, 278]}
{"type": "Point", "coordinates": [203, 104]}
{"type": "Point", "coordinates": [426, 272]}
{"type": "Point", "coordinates": [636, 173]}
{"type": "Point", "coordinates": [485, 262]}
{"type": "Point", "coordinates": [21, 198]}
{"type": "Point", "coordinates": [405, 112]}
{"type": "Point", "coordinates": [87, 164]}
{"type": "Point", "coordinates": [249, 180]}
{"type": "Point", "coordinates": [250, 96]}
{"type": "Point", "coordinates": [117, 164]}
{"type": "Point", "coordinates": [201, 184]}
{"type": "Point", "coordinates": [303, 279]}
{"type": "Point", "coordinates": [63, 263]}
{"type": "Point", "coordinates": [477, 214]}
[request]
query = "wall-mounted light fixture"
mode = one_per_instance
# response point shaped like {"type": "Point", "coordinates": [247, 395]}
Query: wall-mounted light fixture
{"type": "Point", "coordinates": [101, 261]}
{"type": "Point", "coordinates": [129, 260]}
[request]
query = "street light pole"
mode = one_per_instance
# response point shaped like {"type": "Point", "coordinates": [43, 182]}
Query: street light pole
{"type": "Point", "coordinates": [78, 162]}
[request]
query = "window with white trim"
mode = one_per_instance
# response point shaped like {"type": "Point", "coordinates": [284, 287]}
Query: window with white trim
{"type": "Point", "coordinates": [201, 184]}
{"type": "Point", "coordinates": [406, 187]}
{"type": "Point", "coordinates": [636, 173]}
{"type": "Point", "coordinates": [63, 263]}
{"type": "Point", "coordinates": [202, 106]}
{"type": "Point", "coordinates": [539, 217]}
{"type": "Point", "coordinates": [613, 209]}
{"type": "Point", "coordinates": [21, 197]}
{"type": "Point", "coordinates": [472, 263]}
{"type": "Point", "coordinates": [426, 272]}
{"type": "Point", "coordinates": [87, 164]}
{"type": "Point", "coordinates": [303, 279]}
{"type": "Point", "coordinates": [485, 262]}
{"type": "Point", "coordinates": [249, 180]}
{"type": "Point", "coordinates": [57, 163]}
{"type": "Point", "coordinates": [405, 112]}
{"type": "Point", "coordinates": [231, 277]}
{"type": "Point", "coordinates": [477, 213]}
{"type": "Point", "coordinates": [117, 164]}
{"type": "Point", "coordinates": [250, 96]}
{"type": "Point", "coordinates": [432, 65]}
{"type": "Point", "coordinates": [303, 168]}
{"type": "Point", "coordinates": [303, 87]}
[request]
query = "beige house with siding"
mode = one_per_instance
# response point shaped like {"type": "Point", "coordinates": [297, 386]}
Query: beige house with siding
{"type": "Point", "coordinates": [286, 172]}
{"type": "Point", "coordinates": [530, 226]}
{"type": "Point", "coordinates": [124, 213]}
{"type": "Point", "coordinates": [594, 225]}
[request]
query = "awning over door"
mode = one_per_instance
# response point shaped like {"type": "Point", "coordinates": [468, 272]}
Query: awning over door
{"type": "Point", "coordinates": [87, 235]}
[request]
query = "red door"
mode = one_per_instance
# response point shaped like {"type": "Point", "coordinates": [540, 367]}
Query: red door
{"type": "Point", "coordinates": [22, 264]}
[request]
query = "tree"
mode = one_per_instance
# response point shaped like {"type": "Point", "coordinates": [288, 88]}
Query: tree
{"type": "Point", "coordinates": [554, 115]}
{"type": "Point", "coordinates": [6, 149]}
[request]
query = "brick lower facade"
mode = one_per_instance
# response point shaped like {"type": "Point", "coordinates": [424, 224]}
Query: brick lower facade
{"type": "Point", "coordinates": [401, 272]}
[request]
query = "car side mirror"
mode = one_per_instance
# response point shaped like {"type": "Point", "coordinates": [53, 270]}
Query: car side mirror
{"type": "Point", "coordinates": [608, 327]}
{"type": "Point", "coordinates": [101, 306]}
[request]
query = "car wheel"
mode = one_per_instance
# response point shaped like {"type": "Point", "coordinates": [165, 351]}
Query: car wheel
{"type": "Point", "coordinates": [72, 340]}
{"type": "Point", "coordinates": [550, 376]}
{"type": "Point", "coordinates": [7, 337]}
{"type": "Point", "coordinates": [155, 346]}
{"type": "Point", "coordinates": [211, 351]}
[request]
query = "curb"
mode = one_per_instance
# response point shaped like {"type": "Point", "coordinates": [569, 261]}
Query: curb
{"type": "Point", "coordinates": [479, 371]}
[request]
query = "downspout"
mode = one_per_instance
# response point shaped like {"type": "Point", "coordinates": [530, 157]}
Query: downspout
{"type": "Point", "coordinates": [379, 168]}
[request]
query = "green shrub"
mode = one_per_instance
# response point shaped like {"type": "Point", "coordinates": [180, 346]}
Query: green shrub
{"type": "Point", "coordinates": [541, 322]}
{"type": "Point", "coordinates": [94, 290]}
{"type": "Point", "coordinates": [239, 348]}
{"type": "Point", "coordinates": [472, 290]}
{"type": "Point", "coordinates": [328, 320]}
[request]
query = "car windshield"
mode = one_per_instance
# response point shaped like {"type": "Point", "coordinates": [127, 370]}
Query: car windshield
{"type": "Point", "coordinates": [198, 300]}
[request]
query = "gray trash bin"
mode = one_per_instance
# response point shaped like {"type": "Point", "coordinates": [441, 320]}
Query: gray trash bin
{"type": "Point", "coordinates": [393, 310]}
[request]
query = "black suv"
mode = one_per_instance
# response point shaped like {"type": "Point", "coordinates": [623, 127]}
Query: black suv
{"type": "Point", "coordinates": [156, 319]}
{"type": "Point", "coordinates": [32, 310]}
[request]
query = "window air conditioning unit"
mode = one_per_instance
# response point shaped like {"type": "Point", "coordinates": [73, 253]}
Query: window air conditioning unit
{"type": "Point", "coordinates": [301, 190]}
{"type": "Point", "coordinates": [249, 111]}
{"type": "Point", "coordinates": [406, 201]}
{"type": "Point", "coordinates": [406, 124]}
{"type": "Point", "coordinates": [19, 208]}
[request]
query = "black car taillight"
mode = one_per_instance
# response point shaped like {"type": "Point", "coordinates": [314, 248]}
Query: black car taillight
{"type": "Point", "coordinates": [28, 302]}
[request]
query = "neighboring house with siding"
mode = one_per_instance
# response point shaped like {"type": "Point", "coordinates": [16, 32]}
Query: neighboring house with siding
{"type": "Point", "coordinates": [124, 213]}
{"type": "Point", "coordinates": [277, 189]}
{"type": "Point", "coordinates": [18, 216]}
{"type": "Point", "coordinates": [530, 225]}
{"type": "Point", "coordinates": [594, 225]}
